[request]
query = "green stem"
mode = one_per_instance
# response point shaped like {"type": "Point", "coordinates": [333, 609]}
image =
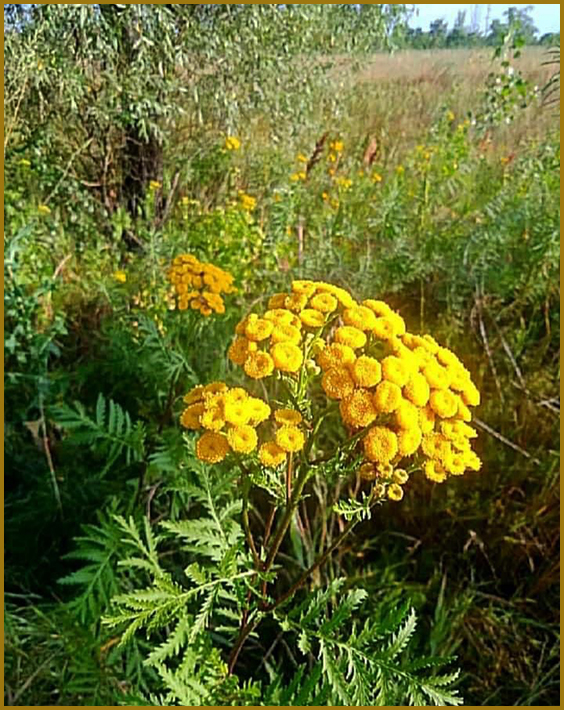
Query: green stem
{"type": "Point", "coordinates": [320, 561]}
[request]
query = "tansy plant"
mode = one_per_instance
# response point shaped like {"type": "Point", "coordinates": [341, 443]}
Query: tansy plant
{"type": "Point", "coordinates": [401, 401]}
{"type": "Point", "coordinates": [198, 285]}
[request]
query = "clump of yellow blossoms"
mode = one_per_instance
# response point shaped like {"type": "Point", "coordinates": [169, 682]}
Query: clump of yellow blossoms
{"type": "Point", "coordinates": [401, 395]}
{"type": "Point", "coordinates": [198, 285]}
{"type": "Point", "coordinates": [230, 419]}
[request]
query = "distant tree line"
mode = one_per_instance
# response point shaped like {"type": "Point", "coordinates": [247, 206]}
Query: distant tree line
{"type": "Point", "coordinates": [465, 33]}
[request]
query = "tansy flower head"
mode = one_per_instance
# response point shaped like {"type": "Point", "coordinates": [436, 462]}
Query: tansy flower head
{"type": "Point", "coordinates": [367, 471]}
{"type": "Point", "coordinates": [409, 440]}
{"type": "Point", "coordinates": [258, 411]}
{"type": "Point", "coordinates": [360, 317]}
{"type": "Point", "coordinates": [366, 371]}
{"type": "Point", "coordinates": [259, 365]}
{"type": "Point", "coordinates": [212, 447]}
{"type": "Point", "coordinates": [286, 357]}
{"type": "Point", "coordinates": [242, 439]}
{"type": "Point", "coordinates": [335, 355]}
{"type": "Point", "coordinates": [443, 403]}
{"type": "Point", "coordinates": [394, 492]}
{"type": "Point", "coordinates": [287, 416]}
{"type": "Point", "coordinates": [337, 383]}
{"type": "Point", "coordinates": [357, 409]}
{"type": "Point", "coordinates": [417, 390]}
{"type": "Point", "coordinates": [406, 415]}
{"type": "Point", "coordinates": [285, 333]}
{"type": "Point", "coordinates": [312, 318]}
{"type": "Point", "coordinates": [190, 418]}
{"type": "Point", "coordinates": [271, 455]}
{"type": "Point", "coordinates": [324, 303]}
{"type": "Point", "coordinates": [434, 471]}
{"type": "Point", "coordinates": [290, 438]}
{"type": "Point", "coordinates": [348, 335]}
{"type": "Point", "coordinates": [307, 288]}
{"type": "Point", "coordinates": [387, 397]}
{"type": "Point", "coordinates": [196, 394]}
{"type": "Point", "coordinates": [380, 444]}
{"type": "Point", "coordinates": [259, 329]}
{"type": "Point", "coordinates": [400, 476]}
{"type": "Point", "coordinates": [395, 370]}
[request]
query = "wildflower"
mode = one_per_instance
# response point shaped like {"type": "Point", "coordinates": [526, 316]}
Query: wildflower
{"type": "Point", "coordinates": [395, 370]}
{"type": "Point", "coordinates": [290, 438]}
{"type": "Point", "coordinates": [394, 492]}
{"type": "Point", "coordinates": [213, 419]}
{"type": "Point", "coordinates": [154, 185]}
{"type": "Point", "coordinates": [384, 328]}
{"type": "Point", "coordinates": [360, 317]}
{"type": "Point", "coordinates": [236, 412]}
{"type": "Point", "coordinates": [301, 158]}
{"type": "Point", "coordinates": [259, 329]}
{"type": "Point", "coordinates": [358, 409]}
{"type": "Point", "coordinates": [196, 394]}
{"type": "Point", "coordinates": [376, 177]}
{"type": "Point", "coordinates": [299, 176]}
{"type": "Point", "coordinates": [212, 447]}
{"type": "Point", "coordinates": [286, 356]}
{"type": "Point", "coordinates": [248, 203]}
{"type": "Point", "coordinates": [434, 471]}
{"type": "Point", "coordinates": [337, 383]}
{"type": "Point", "coordinates": [417, 390]}
{"type": "Point", "coordinates": [288, 417]}
{"type": "Point", "coordinates": [409, 440]}
{"type": "Point", "coordinates": [285, 333]}
{"type": "Point", "coordinates": [190, 418]}
{"type": "Point", "coordinates": [380, 444]}
{"type": "Point", "coordinates": [242, 439]}
{"type": "Point", "coordinates": [304, 287]}
{"type": "Point", "coordinates": [312, 318]}
{"type": "Point", "coordinates": [25, 163]}
{"type": "Point", "coordinates": [120, 276]}
{"type": "Point", "coordinates": [296, 302]}
{"type": "Point", "coordinates": [366, 371]}
{"type": "Point", "coordinates": [471, 395]}
{"type": "Point", "coordinates": [406, 415]}
{"type": "Point", "coordinates": [277, 301]}
{"type": "Point", "coordinates": [337, 146]}
{"type": "Point", "coordinates": [450, 116]}
{"type": "Point", "coordinates": [258, 411]}
{"type": "Point", "coordinates": [270, 454]}
{"type": "Point", "coordinates": [400, 476]}
{"type": "Point", "coordinates": [324, 303]}
{"type": "Point", "coordinates": [367, 471]}
{"type": "Point", "coordinates": [43, 209]}
{"type": "Point", "coordinates": [443, 403]}
{"type": "Point", "coordinates": [259, 365]}
{"type": "Point", "coordinates": [387, 397]}
{"type": "Point", "coordinates": [351, 336]}
{"type": "Point", "coordinates": [344, 182]}
{"type": "Point", "coordinates": [239, 350]}
{"type": "Point", "coordinates": [335, 355]}
{"type": "Point", "coordinates": [232, 143]}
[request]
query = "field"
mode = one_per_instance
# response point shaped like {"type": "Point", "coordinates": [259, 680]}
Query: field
{"type": "Point", "coordinates": [409, 178]}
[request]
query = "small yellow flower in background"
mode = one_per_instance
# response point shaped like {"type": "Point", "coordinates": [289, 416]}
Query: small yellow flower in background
{"type": "Point", "coordinates": [232, 143]}
{"type": "Point", "coordinates": [400, 170]}
{"type": "Point", "coordinates": [299, 176]}
{"type": "Point", "coordinates": [155, 185]}
{"type": "Point", "coordinates": [248, 203]}
{"type": "Point", "coordinates": [25, 163]}
{"type": "Point", "coordinates": [337, 146]}
{"type": "Point", "coordinates": [120, 276]}
{"type": "Point", "coordinates": [343, 182]}
{"type": "Point", "coordinates": [450, 116]}
{"type": "Point", "coordinates": [376, 177]}
{"type": "Point", "coordinates": [43, 209]}
{"type": "Point", "coordinates": [301, 158]}
{"type": "Point", "coordinates": [332, 157]}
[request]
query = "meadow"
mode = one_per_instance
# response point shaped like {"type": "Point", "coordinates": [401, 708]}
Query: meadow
{"type": "Point", "coordinates": [425, 179]}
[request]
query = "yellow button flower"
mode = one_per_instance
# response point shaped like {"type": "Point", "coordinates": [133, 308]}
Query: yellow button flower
{"type": "Point", "coordinates": [212, 447]}
{"type": "Point", "coordinates": [358, 409]}
{"type": "Point", "coordinates": [285, 333]}
{"type": "Point", "coordinates": [348, 335]}
{"type": "Point", "coordinates": [409, 440]}
{"type": "Point", "coordinates": [287, 416]}
{"type": "Point", "coordinates": [290, 438]}
{"type": "Point", "coordinates": [287, 357]}
{"type": "Point", "coordinates": [337, 383]}
{"type": "Point", "coordinates": [417, 390]}
{"type": "Point", "coordinates": [312, 318]}
{"type": "Point", "coordinates": [271, 455]}
{"type": "Point", "coordinates": [259, 365]}
{"type": "Point", "coordinates": [324, 303]}
{"type": "Point", "coordinates": [258, 329]}
{"type": "Point", "coordinates": [360, 317]}
{"type": "Point", "coordinates": [366, 371]}
{"type": "Point", "coordinates": [380, 444]}
{"type": "Point", "coordinates": [242, 439]}
{"type": "Point", "coordinates": [387, 397]}
{"type": "Point", "coordinates": [190, 418]}
{"type": "Point", "coordinates": [395, 370]}
{"type": "Point", "coordinates": [394, 492]}
{"type": "Point", "coordinates": [443, 403]}
{"type": "Point", "coordinates": [335, 355]}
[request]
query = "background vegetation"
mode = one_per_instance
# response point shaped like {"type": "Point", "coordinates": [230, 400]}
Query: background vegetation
{"type": "Point", "coordinates": [428, 178]}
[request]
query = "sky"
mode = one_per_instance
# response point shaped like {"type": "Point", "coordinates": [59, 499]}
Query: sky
{"type": "Point", "coordinates": [545, 17]}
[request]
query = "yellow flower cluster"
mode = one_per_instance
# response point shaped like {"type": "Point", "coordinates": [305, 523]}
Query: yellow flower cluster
{"type": "Point", "coordinates": [198, 285]}
{"type": "Point", "coordinates": [412, 393]}
{"type": "Point", "coordinates": [229, 418]}
{"type": "Point", "coordinates": [273, 341]}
